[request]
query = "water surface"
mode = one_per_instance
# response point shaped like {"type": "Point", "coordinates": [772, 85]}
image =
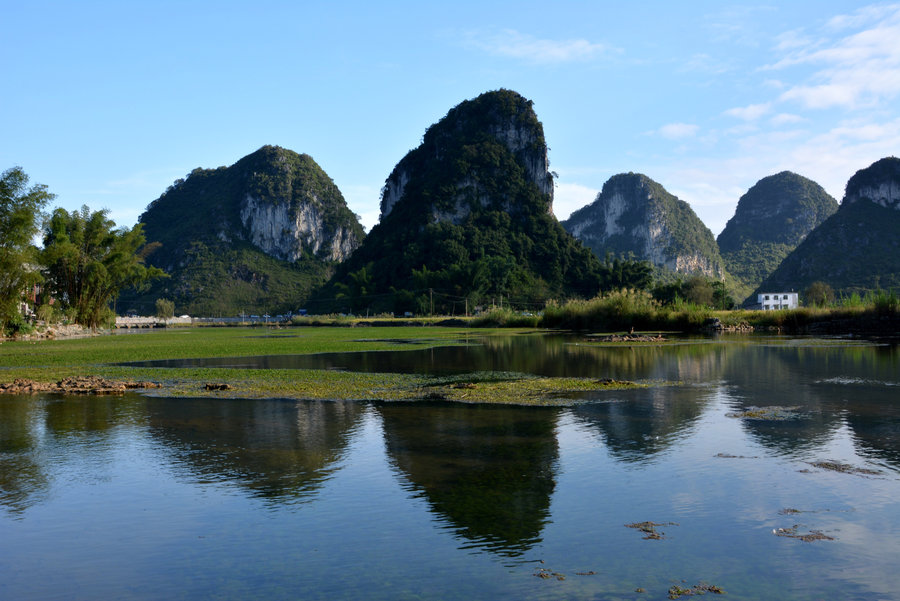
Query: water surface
{"type": "Point", "coordinates": [153, 498]}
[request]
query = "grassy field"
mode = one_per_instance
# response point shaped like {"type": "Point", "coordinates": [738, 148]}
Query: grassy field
{"type": "Point", "coordinates": [52, 360]}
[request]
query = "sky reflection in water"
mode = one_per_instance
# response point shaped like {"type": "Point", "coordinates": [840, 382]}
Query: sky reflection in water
{"type": "Point", "coordinates": [150, 498]}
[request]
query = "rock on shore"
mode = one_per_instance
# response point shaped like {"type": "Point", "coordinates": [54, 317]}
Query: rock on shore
{"type": "Point", "coordinates": [80, 385]}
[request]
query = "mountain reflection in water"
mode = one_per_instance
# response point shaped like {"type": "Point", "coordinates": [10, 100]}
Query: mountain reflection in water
{"type": "Point", "coordinates": [277, 450]}
{"type": "Point", "coordinates": [489, 471]}
{"type": "Point", "coordinates": [156, 498]}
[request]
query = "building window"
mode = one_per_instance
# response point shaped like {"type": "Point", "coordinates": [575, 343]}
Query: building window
{"type": "Point", "coordinates": [767, 297]}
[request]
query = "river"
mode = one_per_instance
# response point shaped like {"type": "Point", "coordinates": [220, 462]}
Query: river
{"type": "Point", "coordinates": [138, 497]}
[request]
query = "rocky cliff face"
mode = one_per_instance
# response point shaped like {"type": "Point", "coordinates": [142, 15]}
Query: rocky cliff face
{"type": "Point", "coordinates": [292, 207]}
{"type": "Point", "coordinates": [858, 247]}
{"type": "Point", "coordinates": [886, 194]}
{"type": "Point", "coordinates": [285, 232]}
{"type": "Point", "coordinates": [879, 184]}
{"type": "Point", "coordinates": [267, 228]}
{"type": "Point", "coordinates": [633, 214]}
{"type": "Point", "coordinates": [771, 219]}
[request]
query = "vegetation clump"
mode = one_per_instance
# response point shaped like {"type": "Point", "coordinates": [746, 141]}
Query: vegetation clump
{"type": "Point", "coordinates": [676, 591]}
{"type": "Point", "coordinates": [807, 537]}
{"type": "Point", "coordinates": [774, 413]}
{"type": "Point", "coordinates": [650, 529]}
{"type": "Point", "coordinates": [546, 574]}
{"type": "Point", "coordinates": [844, 468]}
{"type": "Point", "coordinates": [87, 262]}
{"type": "Point", "coordinates": [165, 309]}
{"type": "Point", "coordinates": [517, 389]}
{"type": "Point", "coordinates": [625, 309]}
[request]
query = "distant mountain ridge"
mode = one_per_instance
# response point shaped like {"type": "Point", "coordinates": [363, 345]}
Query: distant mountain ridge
{"type": "Point", "coordinates": [858, 247]}
{"type": "Point", "coordinates": [467, 214]}
{"type": "Point", "coordinates": [635, 215]}
{"type": "Point", "coordinates": [253, 237]}
{"type": "Point", "coordinates": [770, 220]}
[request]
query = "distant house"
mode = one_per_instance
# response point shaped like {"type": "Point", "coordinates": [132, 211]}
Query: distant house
{"type": "Point", "coordinates": [772, 301]}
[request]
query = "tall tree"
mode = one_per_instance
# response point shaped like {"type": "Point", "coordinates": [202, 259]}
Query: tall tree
{"type": "Point", "coordinates": [87, 262]}
{"type": "Point", "coordinates": [20, 213]}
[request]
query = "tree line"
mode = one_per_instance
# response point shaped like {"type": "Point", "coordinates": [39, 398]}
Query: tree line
{"type": "Point", "coordinates": [84, 262]}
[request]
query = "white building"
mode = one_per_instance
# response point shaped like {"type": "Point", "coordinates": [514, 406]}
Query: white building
{"type": "Point", "coordinates": [772, 301]}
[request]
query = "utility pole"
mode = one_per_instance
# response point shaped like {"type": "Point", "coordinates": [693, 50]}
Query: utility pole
{"type": "Point", "coordinates": [431, 297]}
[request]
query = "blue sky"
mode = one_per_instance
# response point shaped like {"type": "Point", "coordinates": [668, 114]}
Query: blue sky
{"type": "Point", "coordinates": [107, 103]}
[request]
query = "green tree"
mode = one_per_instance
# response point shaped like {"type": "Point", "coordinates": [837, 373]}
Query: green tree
{"type": "Point", "coordinates": [721, 299]}
{"type": "Point", "coordinates": [20, 212]}
{"type": "Point", "coordinates": [356, 289]}
{"type": "Point", "coordinates": [165, 309]}
{"type": "Point", "coordinates": [86, 262]}
{"type": "Point", "coordinates": [625, 272]}
{"type": "Point", "coordinates": [698, 290]}
{"type": "Point", "coordinates": [819, 294]}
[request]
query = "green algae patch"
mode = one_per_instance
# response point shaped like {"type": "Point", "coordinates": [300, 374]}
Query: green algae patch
{"type": "Point", "coordinates": [766, 413]}
{"type": "Point", "coordinates": [844, 468]}
{"type": "Point", "coordinates": [522, 390]}
{"type": "Point", "coordinates": [187, 343]}
{"type": "Point", "coordinates": [677, 591]}
{"type": "Point", "coordinates": [352, 386]}
{"type": "Point", "coordinates": [482, 388]}
{"type": "Point", "coordinates": [650, 529]}
{"type": "Point", "coordinates": [289, 384]}
{"type": "Point", "coordinates": [106, 357]}
{"type": "Point", "coordinates": [807, 537]}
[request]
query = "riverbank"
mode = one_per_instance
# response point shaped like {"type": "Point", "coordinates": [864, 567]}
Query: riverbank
{"type": "Point", "coordinates": [55, 332]}
{"type": "Point", "coordinates": [81, 385]}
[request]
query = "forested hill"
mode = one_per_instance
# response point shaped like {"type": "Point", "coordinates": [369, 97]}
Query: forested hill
{"type": "Point", "coordinates": [466, 217]}
{"type": "Point", "coordinates": [253, 237]}
{"type": "Point", "coordinates": [771, 219]}
{"type": "Point", "coordinates": [858, 247]}
{"type": "Point", "coordinates": [635, 215]}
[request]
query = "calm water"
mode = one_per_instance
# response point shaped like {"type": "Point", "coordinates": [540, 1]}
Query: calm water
{"type": "Point", "coordinates": [153, 498]}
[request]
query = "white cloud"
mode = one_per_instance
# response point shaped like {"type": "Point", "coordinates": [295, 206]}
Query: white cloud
{"type": "Point", "coordinates": [736, 24]}
{"type": "Point", "coordinates": [568, 198]}
{"type": "Point", "coordinates": [751, 112]}
{"type": "Point", "coordinates": [743, 129]}
{"type": "Point", "coordinates": [364, 201]}
{"type": "Point", "coordinates": [790, 40]}
{"type": "Point", "coordinates": [711, 188]}
{"type": "Point", "coordinates": [859, 70]}
{"type": "Point", "coordinates": [678, 131]}
{"type": "Point", "coordinates": [829, 158]}
{"type": "Point", "coordinates": [513, 44]}
{"type": "Point", "coordinates": [863, 16]}
{"type": "Point", "coordinates": [705, 63]}
{"type": "Point", "coordinates": [785, 119]}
